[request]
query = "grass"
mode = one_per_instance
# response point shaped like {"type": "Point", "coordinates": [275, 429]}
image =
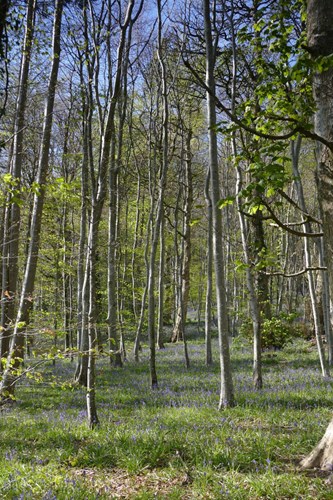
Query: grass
{"type": "Point", "coordinates": [169, 443]}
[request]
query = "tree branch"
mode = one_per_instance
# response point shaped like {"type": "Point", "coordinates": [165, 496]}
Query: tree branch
{"type": "Point", "coordinates": [309, 218]}
{"type": "Point", "coordinates": [293, 275]}
{"type": "Point", "coordinates": [286, 227]}
{"type": "Point", "coordinates": [299, 129]}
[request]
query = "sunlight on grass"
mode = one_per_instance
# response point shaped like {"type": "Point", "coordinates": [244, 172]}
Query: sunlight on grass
{"type": "Point", "coordinates": [172, 442]}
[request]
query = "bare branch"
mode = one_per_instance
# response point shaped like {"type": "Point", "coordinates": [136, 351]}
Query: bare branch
{"type": "Point", "coordinates": [293, 275]}
{"type": "Point", "coordinates": [286, 227]}
{"type": "Point", "coordinates": [309, 218]}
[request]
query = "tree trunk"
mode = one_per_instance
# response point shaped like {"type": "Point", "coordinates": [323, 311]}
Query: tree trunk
{"type": "Point", "coordinates": [179, 328]}
{"type": "Point", "coordinates": [295, 150]}
{"type": "Point", "coordinates": [320, 42]}
{"type": "Point", "coordinates": [26, 300]}
{"type": "Point", "coordinates": [209, 289]}
{"type": "Point", "coordinates": [13, 211]}
{"type": "Point", "coordinates": [3, 21]}
{"type": "Point", "coordinates": [137, 341]}
{"type": "Point", "coordinates": [177, 334]}
{"type": "Point", "coordinates": [159, 208]}
{"type": "Point", "coordinates": [152, 148]}
{"type": "Point", "coordinates": [226, 390]}
{"type": "Point", "coordinates": [160, 319]}
{"type": "Point", "coordinates": [99, 195]}
{"type": "Point", "coordinates": [115, 356]}
{"type": "Point", "coordinates": [326, 304]}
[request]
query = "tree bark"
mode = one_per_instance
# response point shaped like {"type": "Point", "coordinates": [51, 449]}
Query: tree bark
{"type": "Point", "coordinates": [98, 195]}
{"type": "Point", "coordinates": [159, 208]}
{"type": "Point", "coordinates": [209, 289]}
{"type": "Point", "coordinates": [179, 328]}
{"type": "Point", "coordinates": [226, 390]}
{"type": "Point", "coordinates": [295, 150]}
{"type": "Point", "coordinates": [161, 270]}
{"type": "Point", "coordinates": [15, 356]}
{"type": "Point", "coordinates": [320, 43]}
{"type": "Point", "coordinates": [13, 211]}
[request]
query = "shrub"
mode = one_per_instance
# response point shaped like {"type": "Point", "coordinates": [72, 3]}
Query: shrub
{"type": "Point", "coordinates": [276, 332]}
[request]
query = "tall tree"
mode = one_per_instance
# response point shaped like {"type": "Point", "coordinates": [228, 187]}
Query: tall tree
{"type": "Point", "coordinates": [320, 44]}
{"type": "Point", "coordinates": [13, 212]}
{"type": "Point", "coordinates": [15, 355]}
{"type": "Point", "coordinates": [226, 391]}
{"type": "Point", "coordinates": [156, 232]}
{"type": "Point", "coordinates": [97, 203]}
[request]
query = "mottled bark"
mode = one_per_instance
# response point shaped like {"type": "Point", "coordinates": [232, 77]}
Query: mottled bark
{"type": "Point", "coordinates": [3, 21]}
{"type": "Point", "coordinates": [321, 457]}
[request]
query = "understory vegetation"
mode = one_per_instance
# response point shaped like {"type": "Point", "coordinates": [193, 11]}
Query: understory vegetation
{"type": "Point", "coordinates": [171, 442]}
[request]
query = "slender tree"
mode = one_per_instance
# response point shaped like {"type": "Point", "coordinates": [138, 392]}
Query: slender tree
{"type": "Point", "coordinates": [226, 392]}
{"type": "Point", "coordinates": [15, 355]}
{"type": "Point", "coordinates": [12, 216]}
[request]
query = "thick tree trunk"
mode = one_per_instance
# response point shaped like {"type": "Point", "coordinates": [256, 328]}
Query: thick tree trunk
{"type": "Point", "coordinates": [3, 20]}
{"type": "Point", "coordinates": [90, 282]}
{"type": "Point", "coordinates": [321, 457]}
{"type": "Point", "coordinates": [4, 47]}
{"type": "Point", "coordinates": [326, 304]}
{"type": "Point", "coordinates": [320, 42]}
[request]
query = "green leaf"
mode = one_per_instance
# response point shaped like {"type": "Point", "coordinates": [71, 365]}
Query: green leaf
{"type": "Point", "coordinates": [229, 200]}
{"type": "Point", "coordinates": [195, 221]}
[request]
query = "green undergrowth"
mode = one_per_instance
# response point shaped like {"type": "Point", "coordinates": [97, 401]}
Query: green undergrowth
{"type": "Point", "coordinates": [172, 442]}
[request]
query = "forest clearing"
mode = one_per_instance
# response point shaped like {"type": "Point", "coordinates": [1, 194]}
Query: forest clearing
{"type": "Point", "coordinates": [171, 443]}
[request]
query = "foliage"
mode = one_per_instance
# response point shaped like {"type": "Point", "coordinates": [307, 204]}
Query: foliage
{"type": "Point", "coordinates": [276, 332]}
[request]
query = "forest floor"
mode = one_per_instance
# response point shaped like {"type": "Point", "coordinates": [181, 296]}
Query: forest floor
{"type": "Point", "coordinates": [170, 443]}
